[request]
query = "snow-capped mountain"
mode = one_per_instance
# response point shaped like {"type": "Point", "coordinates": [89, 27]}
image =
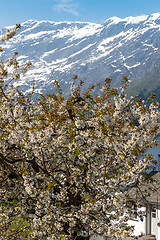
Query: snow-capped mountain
{"type": "Point", "coordinates": [118, 47]}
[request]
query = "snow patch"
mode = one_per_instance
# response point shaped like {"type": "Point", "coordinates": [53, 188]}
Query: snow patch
{"type": "Point", "coordinates": [48, 53]}
{"type": "Point", "coordinates": [118, 70]}
{"type": "Point", "coordinates": [82, 50]}
{"type": "Point", "coordinates": [35, 35]}
{"type": "Point", "coordinates": [133, 66]}
{"type": "Point", "coordinates": [21, 57]}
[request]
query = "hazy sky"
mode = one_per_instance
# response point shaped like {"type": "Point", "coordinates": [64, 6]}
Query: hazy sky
{"type": "Point", "coordinates": [18, 11]}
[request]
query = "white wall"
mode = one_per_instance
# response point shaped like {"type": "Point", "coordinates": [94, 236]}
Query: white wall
{"type": "Point", "coordinates": [139, 226]}
{"type": "Point", "coordinates": [157, 229]}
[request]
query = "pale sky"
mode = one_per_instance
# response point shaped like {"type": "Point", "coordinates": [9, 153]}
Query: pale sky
{"type": "Point", "coordinates": [18, 11]}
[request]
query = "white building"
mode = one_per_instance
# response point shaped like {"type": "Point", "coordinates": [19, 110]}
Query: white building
{"type": "Point", "coordinates": [149, 223]}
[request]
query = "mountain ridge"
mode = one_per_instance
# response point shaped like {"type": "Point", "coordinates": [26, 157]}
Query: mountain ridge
{"type": "Point", "coordinates": [58, 50]}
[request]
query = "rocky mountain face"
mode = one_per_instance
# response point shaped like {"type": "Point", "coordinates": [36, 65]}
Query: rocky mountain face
{"type": "Point", "coordinates": [118, 47]}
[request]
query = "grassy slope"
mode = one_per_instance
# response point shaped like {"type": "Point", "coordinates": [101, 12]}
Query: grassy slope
{"type": "Point", "coordinates": [144, 86]}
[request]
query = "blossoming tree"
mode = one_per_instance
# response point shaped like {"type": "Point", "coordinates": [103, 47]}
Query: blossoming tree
{"type": "Point", "coordinates": [65, 163]}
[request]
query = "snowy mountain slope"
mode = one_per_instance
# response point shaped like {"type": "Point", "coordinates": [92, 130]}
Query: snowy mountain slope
{"type": "Point", "coordinates": [118, 47]}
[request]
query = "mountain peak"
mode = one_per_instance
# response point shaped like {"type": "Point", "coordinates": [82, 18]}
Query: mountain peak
{"type": "Point", "coordinates": [135, 20]}
{"type": "Point", "coordinates": [128, 20]}
{"type": "Point", "coordinates": [30, 21]}
{"type": "Point", "coordinates": [154, 16]}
